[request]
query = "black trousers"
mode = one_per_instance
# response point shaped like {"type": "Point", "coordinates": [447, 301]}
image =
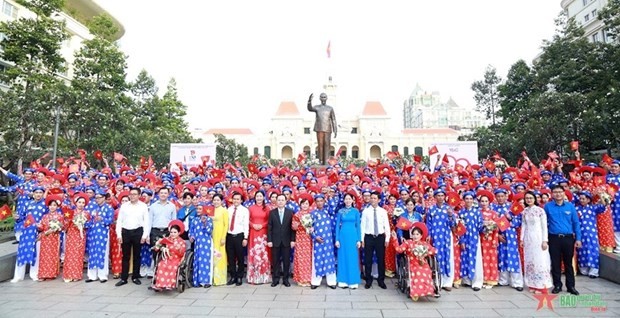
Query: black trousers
{"type": "Point", "coordinates": [372, 245]}
{"type": "Point", "coordinates": [283, 252]}
{"type": "Point", "coordinates": [234, 253]}
{"type": "Point", "coordinates": [562, 249]}
{"type": "Point", "coordinates": [155, 235]}
{"type": "Point", "coordinates": [131, 246]}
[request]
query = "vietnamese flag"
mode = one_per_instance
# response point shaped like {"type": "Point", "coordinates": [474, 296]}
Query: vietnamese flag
{"type": "Point", "coordinates": [433, 150]}
{"type": "Point", "coordinates": [460, 229]}
{"type": "Point", "coordinates": [574, 145]}
{"type": "Point", "coordinates": [516, 208]}
{"type": "Point", "coordinates": [502, 223]}
{"type": "Point", "coordinates": [417, 158]}
{"type": "Point", "coordinates": [29, 221]}
{"type": "Point", "coordinates": [445, 160]}
{"type": "Point", "coordinates": [300, 158]}
{"type": "Point", "coordinates": [607, 159]}
{"type": "Point", "coordinates": [5, 212]}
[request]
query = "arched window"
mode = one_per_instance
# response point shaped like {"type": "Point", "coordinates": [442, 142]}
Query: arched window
{"type": "Point", "coordinates": [307, 151]}
{"type": "Point", "coordinates": [287, 152]}
{"type": "Point", "coordinates": [343, 151]}
{"type": "Point", "coordinates": [332, 151]}
{"type": "Point", "coordinates": [395, 148]}
{"type": "Point", "coordinates": [418, 151]}
{"type": "Point", "coordinates": [375, 152]}
{"type": "Point", "coordinates": [256, 150]}
{"type": "Point", "coordinates": [355, 152]}
{"type": "Point", "coordinates": [267, 152]}
{"type": "Point", "coordinates": [406, 151]}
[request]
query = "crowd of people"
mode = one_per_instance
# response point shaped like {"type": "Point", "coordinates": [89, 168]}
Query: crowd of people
{"type": "Point", "coordinates": [485, 224]}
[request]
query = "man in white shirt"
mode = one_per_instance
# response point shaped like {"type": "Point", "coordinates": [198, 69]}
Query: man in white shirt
{"type": "Point", "coordinates": [161, 212]}
{"type": "Point", "coordinates": [237, 238]}
{"type": "Point", "coordinates": [132, 228]}
{"type": "Point", "coordinates": [375, 238]}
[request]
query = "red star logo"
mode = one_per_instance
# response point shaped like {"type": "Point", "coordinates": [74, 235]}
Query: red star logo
{"type": "Point", "coordinates": [545, 296]}
{"type": "Point", "coordinates": [4, 213]}
{"type": "Point", "coordinates": [502, 223]}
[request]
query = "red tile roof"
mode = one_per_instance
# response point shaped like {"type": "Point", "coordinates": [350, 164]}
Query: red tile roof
{"type": "Point", "coordinates": [229, 131]}
{"type": "Point", "coordinates": [429, 131]}
{"type": "Point", "coordinates": [287, 108]}
{"type": "Point", "coordinates": [373, 109]}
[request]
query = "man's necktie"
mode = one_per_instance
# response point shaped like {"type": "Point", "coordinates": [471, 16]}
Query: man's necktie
{"type": "Point", "coordinates": [281, 216]}
{"type": "Point", "coordinates": [376, 223]}
{"type": "Point", "coordinates": [232, 222]}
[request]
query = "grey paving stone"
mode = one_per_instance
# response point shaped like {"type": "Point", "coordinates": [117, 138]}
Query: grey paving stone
{"type": "Point", "coordinates": [526, 312]}
{"type": "Point", "coordinates": [324, 305]}
{"type": "Point", "coordinates": [468, 313]}
{"type": "Point", "coordinates": [496, 297]}
{"type": "Point", "coordinates": [118, 300]}
{"type": "Point", "coordinates": [60, 291]}
{"type": "Point", "coordinates": [72, 298]}
{"type": "Point", "coordinates": [295, 313]}
{"type": "Point", "coordinates": [91, 314]}
{"type": "Point", "coordinates": [270, 304]}
{"type": "Point", "coordinates": [136, 315]}
{"type": "Point", "coordinates": [280, 289]}
{"type": "Point", "coordinates": [233, 290]}
{"type": "Point", "coordinates": [250, 297]}
{"type": "Point", "coordinates": [380, 305]}
{"type": "Point", "coordinates": [236, 311]}
{"type": "Point", "coordinates": [186, 310]}
{"type": "Point", "coordinates": [458, 297]}
{"type": "Point", "coordinates": [432, 304]}
{"type": "Point", "coordinates": [219, 303]}
{"type": "Point", "coordinates": [32, 304]}
{"type": "Point", "coordinates": [167, 301]}
{"type": "Point", "coordinates": [128, 308]}
{"type": "Point", "coordinates": [30, 313]}
{"type": "Point", "coordinates": [353, 313]}
{"type": "Point", "coordinates": [295, 297]}
{"type": "Point", "coordinates": [207, 296]}
{"type": "Point", "coordinates": [487, 304]}
{"type": "Point", "coordinates": [389, 313]}
{"type": "Point", "coordinates": [77, 306]}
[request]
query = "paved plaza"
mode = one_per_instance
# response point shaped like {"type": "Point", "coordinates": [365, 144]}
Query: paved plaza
{"type": "Point", "coordinates": [58, 299]}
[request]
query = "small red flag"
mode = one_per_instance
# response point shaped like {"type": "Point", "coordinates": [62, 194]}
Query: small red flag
{"type": "Point", "coordinates": [179, 165]}
{"type": "Point", "coordinates": [607, 159]}
{"type": "Point", "coordinates": [98, 155]}
{"type": "Point", "coordinates": [118, 157]}
{"type": "Point", "coordinates": [516, 208]}
{"type": "Point", "coordinates": [502, 223]}
{"type": "Point", "coordinates": [29, 221]}
{"type": "Point", "coordinates": [433, 150]}
{"type": "Point", "coordinates": [460, 229]}
{"type": "Point", "coordinates": [574, 145]}
{"type": "Point", "coordinates": [417, 159]}
{"type": "Point", "coordinates": [150, 162]}
{"type": "Point", "coordinates": [300, 158]}
{"type": "Point", "coordinates": [5, 212]}
{"type": "Point", "coordinates": [392, 154]}
{"type": "Point", "coordinates": [445, 160]}
{"type": "Point", "coordinates": [552, 155]}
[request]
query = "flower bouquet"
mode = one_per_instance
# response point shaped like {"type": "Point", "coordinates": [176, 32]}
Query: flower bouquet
{"type": "Point", "coordinates": [605, 198]}
{"type": "Point", "coordinates": [306, 222]}
{"type": "Point", "coordinates": [420, 251]}
{"type": "Point", "coordinates": [55, 226]}
{"type": "Point", "coordinates": [488, 227]}
{"type": "Point", "coordinates": [79, 219]}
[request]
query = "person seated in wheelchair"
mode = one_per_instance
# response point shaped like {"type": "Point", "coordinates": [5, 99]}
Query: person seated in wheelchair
{"type": "Point", "coordinates": [412, 213]}
{"type": "Point", "coordinates": [171, 249]}
{"type": "Point", "coordinates": [417, 249]}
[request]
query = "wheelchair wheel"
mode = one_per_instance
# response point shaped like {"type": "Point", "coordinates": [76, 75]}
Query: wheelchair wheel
{"type": "Point", "coordinates": [436, 275]}
{"type": "Point", "coordinates": [403, 277]}
{"type": "Point", "coordinates": [189, 269]}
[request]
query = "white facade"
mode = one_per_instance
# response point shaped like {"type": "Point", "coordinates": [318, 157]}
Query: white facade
{"type": "Point", "coordinates": [367, 136]}
{"type": "Point", "coordinates": [586, 13]}
{"type": "Point", "coordinates": [424, 109]}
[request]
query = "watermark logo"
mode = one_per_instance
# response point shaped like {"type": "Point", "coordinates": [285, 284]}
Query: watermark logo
{"type": "Point", "coordinates": [594, 301]}
{"type": "Point", "coordinates": [545, 297]}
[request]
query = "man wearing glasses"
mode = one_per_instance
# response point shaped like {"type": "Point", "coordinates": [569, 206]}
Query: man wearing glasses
{"type": "Point", "coordinates": [132, 230]}
{"type": "Point", "coordinates": [564, 236]}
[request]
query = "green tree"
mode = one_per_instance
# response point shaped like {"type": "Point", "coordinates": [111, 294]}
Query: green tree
{"type": "Point", "coordinates": [487, 95]}
{"type": "Point", "coordinates": [32, 46]}
{"type": "Point", "coordinates": [228, 150]}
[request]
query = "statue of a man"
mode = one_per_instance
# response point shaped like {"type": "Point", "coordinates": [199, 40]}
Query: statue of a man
{"type": "Point", "coordinates": [324, 124]}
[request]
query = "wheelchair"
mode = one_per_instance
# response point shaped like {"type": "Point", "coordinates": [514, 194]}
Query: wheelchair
{"type": "Point", "coordinates": [404, 276]}
{"type": "Point", "coordinates": [185, 271]}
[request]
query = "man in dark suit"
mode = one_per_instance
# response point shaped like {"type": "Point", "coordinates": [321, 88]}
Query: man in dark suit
{"type": "Point", "coordinates": [280, 238]}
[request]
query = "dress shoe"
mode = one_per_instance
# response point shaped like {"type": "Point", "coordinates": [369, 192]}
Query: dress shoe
{"type": "Point", "coordinates": [382, 285]}
{"type": "Point", "coordinates": [519, 288]}
{"type": "Point", "coordinates": [286, 283]}
{"type": "Point", "coordinates": [89, 280]}
{"type": "Point", "coordinates": [274, 283]}
{"type": "Point", "coordinates": [367, 285]}
{"type": "Point", "coordinates": [239, 282]}
{"type": "Point", "coordinates": [207, 286]}
{"type": "Point", "coordinates": [556, 290]}
{"type": "Point", "coordinates": [314, 287]}
{"type": "Point", "coordinates": [231, 281]}
{"type": "Point", "coordinates": [103, 281]}
{"type": "Point", "coordinates": [136, 281]}
{"type": "Point", "coordinates": [447, 288]}
{"type": "Point", "coordinates": [120, 283]}
{"type": "Point", "coordinates": [476, 288]}
{"type": "Point", "coordinates": [332, 286]}
{"type": "Point", "coordinates": [573, 291]}
{"type": "Point", "coordinates": [593, 276]}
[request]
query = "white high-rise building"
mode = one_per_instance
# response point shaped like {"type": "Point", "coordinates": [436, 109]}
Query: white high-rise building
{"type": "Point", "coordinates": [586, 13]}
